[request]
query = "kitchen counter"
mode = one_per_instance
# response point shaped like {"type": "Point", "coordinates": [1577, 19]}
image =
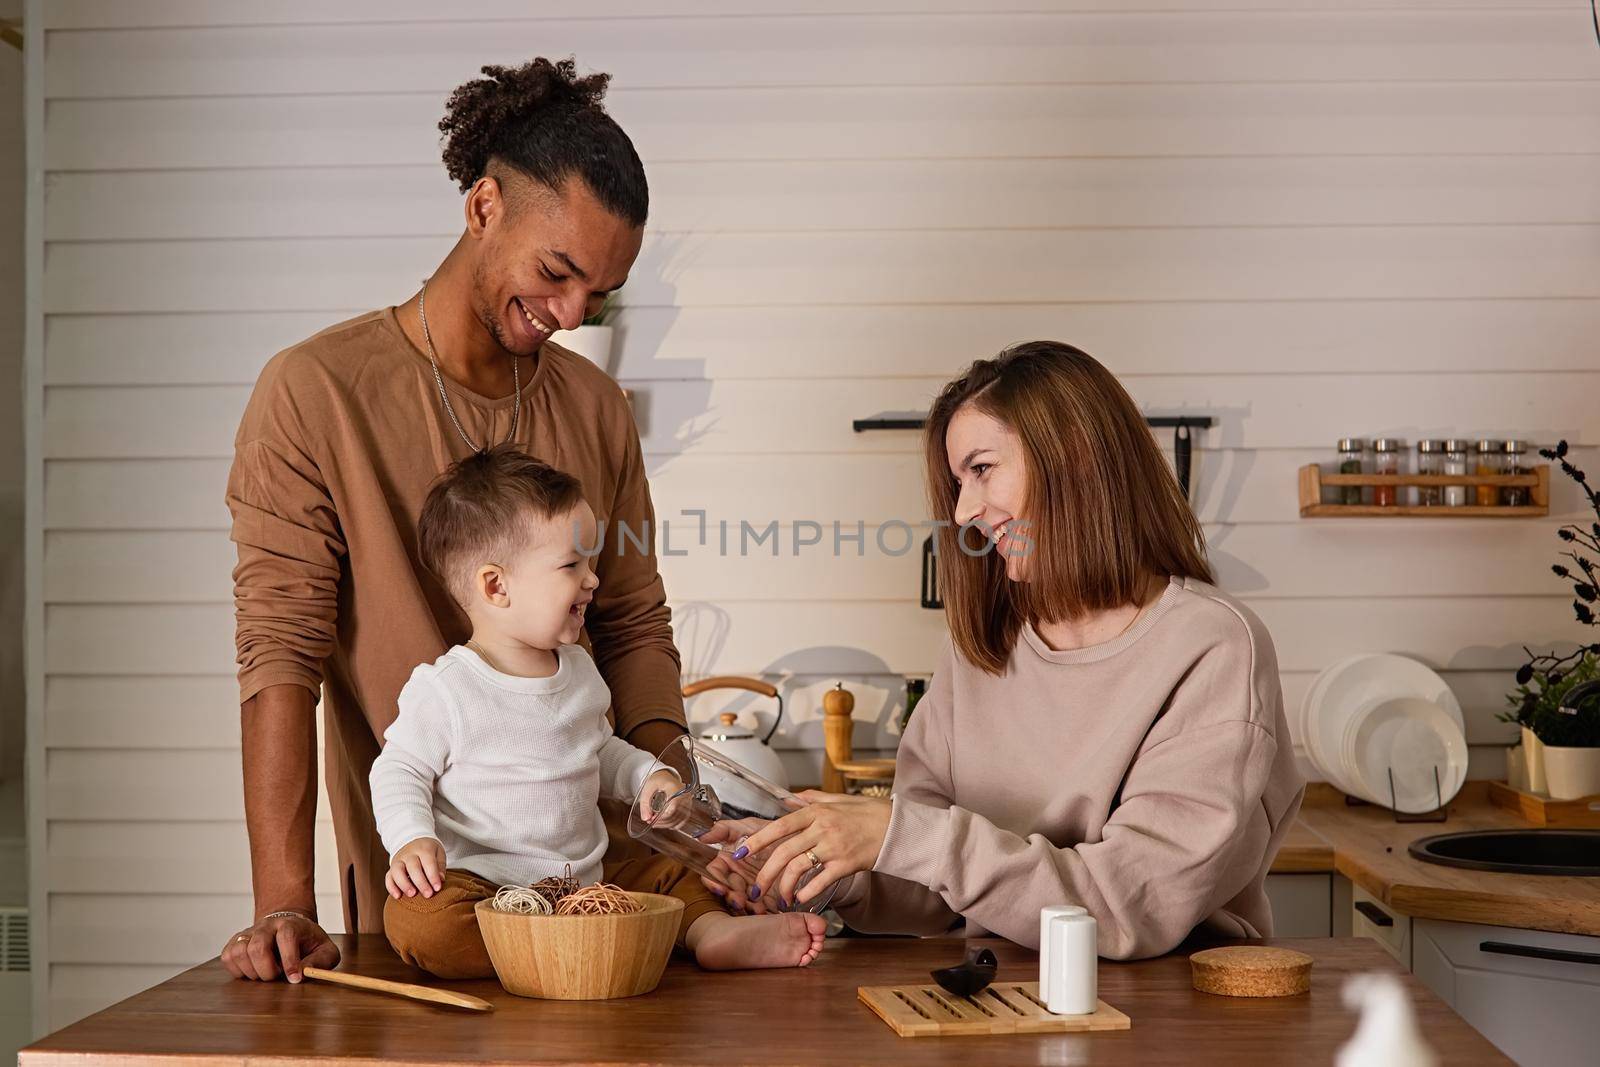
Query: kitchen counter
{"type": "Point", "coordinates": [809, 1016]}
{"type": "Point", "coordinates": [1304, 851]}
{"type": "Point", "coordinates": [1366, 845]}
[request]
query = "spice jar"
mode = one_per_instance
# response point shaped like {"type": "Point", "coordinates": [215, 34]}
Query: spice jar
{"type": "Point", "coordinates": [1491, 461]}
{"type": "Point", "coordinates": [1350, 450]}
{"type": "Point", "coordinates": [1455, 462]}
{"type": "Point", "coordinates": [1516, 462]}
{"type": "Point", "coordinates": [1430, 460]}
{"type": "Point", "coordinates": [1385, 460]}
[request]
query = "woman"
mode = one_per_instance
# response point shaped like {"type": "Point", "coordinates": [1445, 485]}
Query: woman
{"type": "Point", "coordinates": [1105, 727]}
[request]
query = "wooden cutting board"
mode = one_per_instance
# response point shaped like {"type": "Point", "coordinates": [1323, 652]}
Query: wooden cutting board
{"type": "Point", "coordinates": [1003, 1008]}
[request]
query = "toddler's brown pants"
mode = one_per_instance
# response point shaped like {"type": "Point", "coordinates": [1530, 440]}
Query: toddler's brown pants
{"type": "Point", "coordinates": [440, 933]}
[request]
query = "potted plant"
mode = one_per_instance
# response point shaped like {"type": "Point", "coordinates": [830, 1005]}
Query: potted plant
{"type": "Point", "coordinates": [1525, 760]}
{"type": "Point", "coordinates": [1570, 733]}
{"type": "Point", "coordinates": [592, 340]}
{"type": "Point", "coordinates": [1545, 679]}
{"type": "Point", "coordinates": [1565, 742]}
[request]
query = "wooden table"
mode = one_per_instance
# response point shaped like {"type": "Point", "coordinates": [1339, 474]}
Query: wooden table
{"type": "Point", "coordinates": [765, 1018]}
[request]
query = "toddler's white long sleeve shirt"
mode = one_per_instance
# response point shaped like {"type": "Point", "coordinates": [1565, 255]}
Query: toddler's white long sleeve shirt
{"type": "Point", "coordinates": [505, 772]}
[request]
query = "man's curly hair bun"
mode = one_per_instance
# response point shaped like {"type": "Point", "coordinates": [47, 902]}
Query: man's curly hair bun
{"type": "Point", "coordinates": [546, 121]}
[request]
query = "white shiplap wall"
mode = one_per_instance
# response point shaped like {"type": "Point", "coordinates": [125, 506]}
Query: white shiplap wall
{"type": "Point", "coordinates": [11, 462]}
{"type": "Point", "coordinates": [15, 1016]}
{"type": "Point", "coordinates": [1309, 223]}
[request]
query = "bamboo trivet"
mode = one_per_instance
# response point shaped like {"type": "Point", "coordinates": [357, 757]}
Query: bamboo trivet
{"type": "Point", "coordinates": [1002, 1008]}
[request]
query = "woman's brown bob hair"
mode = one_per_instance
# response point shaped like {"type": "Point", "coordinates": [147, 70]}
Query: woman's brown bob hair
{"type": "Point", "coordinates": [1103, 508]}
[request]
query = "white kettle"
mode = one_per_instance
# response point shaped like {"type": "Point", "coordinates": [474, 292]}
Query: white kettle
{"type": "Point", "coordinates": [733, 741]}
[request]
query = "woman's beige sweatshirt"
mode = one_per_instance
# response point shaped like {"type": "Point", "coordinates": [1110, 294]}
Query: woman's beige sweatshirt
{"type": "Point", "coordinates": [1150, 779]}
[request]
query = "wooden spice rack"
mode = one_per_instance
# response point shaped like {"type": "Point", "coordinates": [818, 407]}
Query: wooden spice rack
{"type": "Point", "coordinates": [1313, 481]}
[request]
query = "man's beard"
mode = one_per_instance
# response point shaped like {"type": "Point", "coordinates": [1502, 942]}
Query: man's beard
{"type": "Point", "coordinates": [488, 316]}
{"type": "Point", "coordinates": [491, 322]}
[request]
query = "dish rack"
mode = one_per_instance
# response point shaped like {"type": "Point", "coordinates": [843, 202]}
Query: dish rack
{"type": "Point", "coordinates": [1313, 480]}
{"type": "Point", "coordinates": [1439, 813]}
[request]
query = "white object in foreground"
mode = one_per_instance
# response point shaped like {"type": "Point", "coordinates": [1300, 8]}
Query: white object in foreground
{"type": "Point", "coordinates": [1387, 1032]}
{"type": "Point", "coordinates": [1073, 969]}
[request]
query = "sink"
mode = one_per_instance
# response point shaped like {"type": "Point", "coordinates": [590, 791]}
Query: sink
{"type": "Point", "coordinates": [1568, 852]}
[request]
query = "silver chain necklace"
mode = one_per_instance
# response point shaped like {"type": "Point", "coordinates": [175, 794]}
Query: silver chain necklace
{"type": "Point", "coordinates": [516, 378]}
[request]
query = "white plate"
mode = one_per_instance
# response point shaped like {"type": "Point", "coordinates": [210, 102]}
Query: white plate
{"type": "Point", "coordinates": [1308, 713]}
{"type": "Point", "coordinates": [1354, 686]}
{"type": "Point", "coordinates": [1322, 735]}
{"type": "Point", "coordinates": [1409, 738]}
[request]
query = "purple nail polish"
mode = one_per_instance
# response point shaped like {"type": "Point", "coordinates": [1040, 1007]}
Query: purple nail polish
{"type": "Point", "coordinates": [741, 852]}
{"type": "Point", "coordinates": [718, 890]}
{"type": "Point", "coordinates": [755, 892]}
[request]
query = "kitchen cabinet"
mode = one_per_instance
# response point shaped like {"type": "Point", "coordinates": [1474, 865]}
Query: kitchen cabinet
{"type": "Point", "coordinates": [1370, 917]}
{"type": "Point", "coordinates": [1302, 904]}
{"type": "Point", "coordinates": [1535, 994]}
{"type": "Point", "coordinates": [1429, 918]}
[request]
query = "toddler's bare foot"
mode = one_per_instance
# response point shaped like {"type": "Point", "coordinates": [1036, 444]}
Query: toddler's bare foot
{"type": "Point", "coordinates": [732, 943]}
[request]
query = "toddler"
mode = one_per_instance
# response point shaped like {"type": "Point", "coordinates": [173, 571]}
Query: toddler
{"type": "Point", "coordinates": [491, 774]}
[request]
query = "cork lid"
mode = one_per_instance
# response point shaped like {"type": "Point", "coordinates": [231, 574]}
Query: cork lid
{"type": "Point", "coordinates": [1251, 971]}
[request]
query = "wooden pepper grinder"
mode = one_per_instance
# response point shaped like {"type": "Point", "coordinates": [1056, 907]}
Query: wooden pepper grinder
{"type": "Point", "coordinates": [838, 704]}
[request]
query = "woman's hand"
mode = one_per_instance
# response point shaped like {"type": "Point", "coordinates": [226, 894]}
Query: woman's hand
{"type": "Point", "coordinates": [845, 834]}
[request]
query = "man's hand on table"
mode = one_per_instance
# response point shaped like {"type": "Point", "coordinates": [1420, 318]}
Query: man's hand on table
{"type": "Point", "coordinates": [280, 944]}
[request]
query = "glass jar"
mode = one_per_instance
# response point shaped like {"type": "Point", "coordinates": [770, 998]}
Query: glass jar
{"type": "Point", "coordinates": [1491, 460]}
{"type": "Point", "coordinates": [1430, 460]}
{"type": "Point", "coordinates": [1455, 462]}
{"type": "Point", "coordinates": [714, 788]}
{"type": "Point", "coordinates": [1516, 462]}
{"type": "Point", "coordinates": [1386, 460]}
{"type": "Point", "coordinates": [1350, 452]}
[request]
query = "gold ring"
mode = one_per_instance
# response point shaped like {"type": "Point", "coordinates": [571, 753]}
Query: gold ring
{"type": "Point", "coordinates": [242, 937]}
{"type": "Point", "coordinates": [811, 854]}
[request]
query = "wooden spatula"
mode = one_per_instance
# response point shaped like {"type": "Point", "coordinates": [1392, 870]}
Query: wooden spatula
{"type": "Point", "coordinates": [399, 989]}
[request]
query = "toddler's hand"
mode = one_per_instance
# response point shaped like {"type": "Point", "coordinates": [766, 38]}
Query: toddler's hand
{"type": "Point", "coordinates": [653, 802]}
{"type": "Point", "coordinates": [417, 868]}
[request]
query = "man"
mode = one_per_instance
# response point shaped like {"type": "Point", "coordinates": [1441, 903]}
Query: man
{"type": "Point", "coordinates": [344, 434]}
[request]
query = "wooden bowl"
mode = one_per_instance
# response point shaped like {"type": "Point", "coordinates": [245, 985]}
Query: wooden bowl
{"type": "Point", "coordinates": [582, 957]}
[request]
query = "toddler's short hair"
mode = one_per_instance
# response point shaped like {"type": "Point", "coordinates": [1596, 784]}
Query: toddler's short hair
{"type": "Point", "coordinates": [480, 509]}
